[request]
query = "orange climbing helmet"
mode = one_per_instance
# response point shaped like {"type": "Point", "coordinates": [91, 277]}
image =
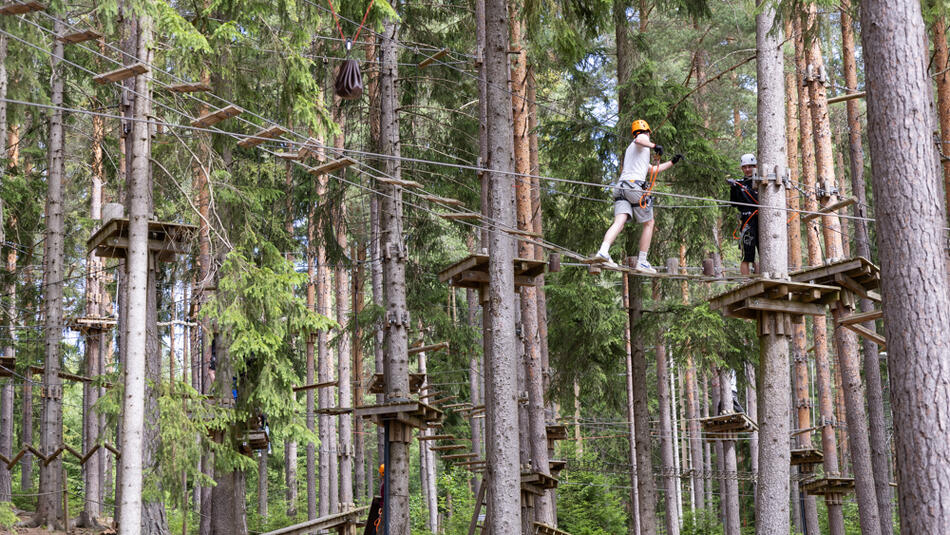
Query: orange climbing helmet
{"type": "Point", "coordinates": [639, 126]}
{"type": "Point", "coordinates": [382, 470]}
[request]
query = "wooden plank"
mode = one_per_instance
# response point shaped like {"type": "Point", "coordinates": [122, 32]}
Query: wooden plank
{"type": "Point", "coordinates": [776, 305]}
{"type": "Point", "coordinates": [398, 182]}
{"type": "Point", "coordinates": [215, 117]}
{"type": "Point", "coordinates": [443, 200]}
{"type": "Point", "coordinates": [323, 523]}
{"type": "Point", "coordinates": [443, 400]}
{"type": "Point", "coordinates": [436, 437]}
{"type": "Point", "coordinates": [849, 96]}
{"type": "Point", "coordinates": [80, 37]}
{"type": "Point", "coordinates": [869, 334]}
{"type": "Point", "coordinates": [331, 166]}
{"type": "Point", "coordinates": [431, 59]}
{"type": "Point", "coordinates": [482, 277]}
{"type": "Point", "coordinates": [428, 348]}
{"type": "Point", "coordinates": [261, 136]}
{"type": "Point", "coordinates": [843, 203]}
{"type": "Point", "coordinates": [462, 265]}
{"type": "Point", "coordinates": [287, 155]}
{"type": "Point", "coordinates": [459, 456]}
{"type": "Point", "coordinates": [853, 285]}
{"type": "Point", "coordinates": [19, 8]}
{"type": "Point", "coordinates": [737, 294]}
{"type": "Point", "coordinates": [188, 88]}
{"type": "Point", "coordinates": [121, 73]}
{"type": "Point", "coordinates": [310, 149]}
{"type": "Point", "coordinates": [460, 216]}
{"type": "Point", "coordinates": [327, 384]}
{"type": "Point", "coordinates": [861, 317]}
{"type": "Point", "coordinates": [449, 447]}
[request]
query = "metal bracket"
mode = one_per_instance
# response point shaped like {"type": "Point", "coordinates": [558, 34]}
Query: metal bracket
{"type": "Point", "coordinates": [395, 318]}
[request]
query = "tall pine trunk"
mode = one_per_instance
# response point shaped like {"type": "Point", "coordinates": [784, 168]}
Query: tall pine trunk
{"type": "Point", "coordinates": [914, 278]}
{"type": "Point", "coordinates": [670, 476]}
{"type": "Point", "coordinates": [6, 388]}
{"type": "Point", "coordinates": [646, 485]}
{"type": "Point", "coordinates": [772, 513]}
{"type": "Point", "coordinates": [50, 506]}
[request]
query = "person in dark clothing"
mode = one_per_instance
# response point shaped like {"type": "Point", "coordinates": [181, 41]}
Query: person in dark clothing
{"type": "Point", "coordinates": [743, 193]}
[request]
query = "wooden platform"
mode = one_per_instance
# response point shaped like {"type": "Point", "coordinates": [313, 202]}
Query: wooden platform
{"type": "Point", "coordinates": [344, 523]}
{"type": "Point", "coordinates": [556, 432]}
{"type": "Point", "coordinates": [437, 437]}
{"type": "Point", "coordinates": [843, 203]}
{"type": "Point", "coordinates": [456, 456]}
{"type": "Point", "coordinates": [92, 323]}
{"type": "Point", "coordinates": [79, 37]}
{"type": "Point", "coordinates": [806, 457]}
{"type": "Point", "coordinates": [472, 272]}
{"type": "Point", "coordinates": [824, 486]}
{"type": "Point", "coordinates": [398, 182]}
{"type": "Point", "coordinates": [443, 200]}
{"type": "Point", "coordinates": [413, 413]}
{"type": "Point", "coordinates": [188, 88]}
{"type": "Point", "coordinates": [332, 165]}
{"type": "Point", "coordinates": [215, 117]}
{"type": "Point", "coordinates": [252, 441]}
{"type": "Point", "coordinates": [728, 423]}
{"type": "Point", "coordinates": [556, 465]}
{"type": "Point", "coordinates": [334, 411]}
{"type": "Point", "coordinates": [261, 136]}
{"type": "Point", "coordinates": [773, 295]}
{"type": "Point", "coordinates": [378, 384]}
{"type": "Point", "coordinates": [460, 215]}
{"type": "Point", "coordinates": [449, 447]}
{"type": "Point", "coordinates": [7, 365]}
{"type": "Point", "coordinates": [856, 274]}
{"type": "Point", "coordinates": [541, 528]}
{"type": "Point", "coordinates": [19, 8]}
{"type": "Point", "coordinates": [121, 73]}
{"type": "Point", "coordinates": [165, 239]}
{"type": "Point", "coordinates": [536, 482]}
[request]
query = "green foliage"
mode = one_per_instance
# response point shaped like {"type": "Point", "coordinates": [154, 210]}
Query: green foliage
{"type": "Point", "coordinates": [8, 518]}
{"type": "Point", "coordinates": [591, 503]}
{"type": "Point", "coordinates": [701, 522]}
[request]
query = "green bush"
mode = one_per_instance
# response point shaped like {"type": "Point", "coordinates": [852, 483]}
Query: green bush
{"type": "Point", "coordinates": [8, 518]}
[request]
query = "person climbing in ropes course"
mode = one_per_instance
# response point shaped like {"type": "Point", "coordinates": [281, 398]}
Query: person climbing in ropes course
{"type": "Point", "coordinates": [632, 194]}
{"type": "Point", "coordinates": [743, 193]}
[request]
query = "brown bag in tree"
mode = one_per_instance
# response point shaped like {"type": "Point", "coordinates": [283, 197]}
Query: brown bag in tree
{"type": "Point", "coordinates": [349, 81]}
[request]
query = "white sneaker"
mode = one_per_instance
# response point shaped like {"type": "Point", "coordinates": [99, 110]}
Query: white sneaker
{"type": "Point", "coordinates": [644, 267]}
{"type": "Point", "coordinates": [607, 261]}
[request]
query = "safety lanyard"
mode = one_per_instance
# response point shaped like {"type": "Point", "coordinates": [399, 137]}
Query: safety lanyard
{"type": "Point", "coordinates": [349, 42]}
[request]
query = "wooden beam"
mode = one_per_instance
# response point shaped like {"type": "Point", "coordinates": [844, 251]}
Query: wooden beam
{"type": "Point", "coordinates": [188, 88]}
{"type": "Point", "coordinates": [397, 182]}
{"type": "Point", "coordinates": [337, 520]}
{"type": "Point", "coordinates": [460, 215]}
{"type": "Point", "coordinates": [121, 73]}
{"type": "Point", "coordinates": [79, 37]}
{"type": "Point", "coordinates": [428, 348]}
{"type": "Point", "coordinates": [861, 317]}
{"type": "Point", "coordinates": [215, 117]}
{"type": "Point", "coordinates": [19, 8]}
{"type": "Point", "coordinates": [869, 334]}
{"type": "Point", "coordinates": [331, 166]}
{"type": "Point", "coordinates": [327, 384]}
{"type": "Point", "coordinates": [777, 305]}
{"type": "Point", "coordinates": [287, 155]}
{"type": "Point", "coordinates": [843, 203]}
{"type": "Point", "coordinates": [262, 136]}
{"type": "Point", "coordinates": [443, 200]}
{"type": "Point", "coordinates": [849, 96]}
{"type": "Point", "coordinates": [437, 437]}
{"type": "Point", "coordinates": [431, 59]}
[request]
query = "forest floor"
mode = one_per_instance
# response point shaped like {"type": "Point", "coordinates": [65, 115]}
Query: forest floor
{"type": "Point", "coordinates": [25, 516]}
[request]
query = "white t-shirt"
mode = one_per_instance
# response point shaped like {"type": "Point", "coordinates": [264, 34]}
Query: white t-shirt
{"type": "Point", "coordinates": [636, 162]}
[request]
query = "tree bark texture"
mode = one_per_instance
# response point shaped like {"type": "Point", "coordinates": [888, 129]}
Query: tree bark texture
{"type": "Point", "coordinates": [772, 513]}
{"type": "Point", "coordinates": [50, 508]}
{"type": "Point", "coordinates": [880, 454]}
{"type": "Point", "coordinates": [6, 388]}
{"type": "Point", "coordinates": [670, 476]}
{"type": "Point", "coordinates": [502, 455]}
{"type": "Point", "coordinates": [310, 405]}
{"type": "Point", "coordinates": [731, 476]}
{"type": "Point", "coordinates": [344, 370]}
{"type": "Point", "coordinates": [394, 255]}
{"type": "Point", "coordinates": [631, 426]}
{"type": "Point", "coordinates": [646, 485]}
{"type": "Point", "coordinates": [941, 62]}
{"type": "Point", "coordinates": [914, 278]}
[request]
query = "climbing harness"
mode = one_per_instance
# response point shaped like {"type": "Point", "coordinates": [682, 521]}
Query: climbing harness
{"type": "Point", "coordinates": [646, 199]}
{"type": "Point", "coordinates": [740, 231]}
{"type": "Point", "coordinates": [349, 81]}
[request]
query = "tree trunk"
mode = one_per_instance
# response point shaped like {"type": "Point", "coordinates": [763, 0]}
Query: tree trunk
{"type": "Point", "coordinates": [427, 468]}
{"type": "Point", "coordinates": [311, 362]}
{"type": "Point", "coordinates": [670, 477]}
{"type": "Point", "coordinates": [345, 377]}
{"type": "Point", "coordinates": [914, 278]}
{"type": "Point", "coordinates": [474, 385]}
{"type": "Point", "coordinates": [707, 450]}
{"type": "Point", "coordinates": [92, 471]}
{"type": "Point", "coordinates": [941, 61]}
{"type": "Point", "coordinates": [50, 506]}
{"type": "Point", "coordinates": [829, 444]}
{"type": "Point", "coordinates": [135, 334]}
{"type": "Point", "coordinates": [631, 427]}
{"type": "Point", "coordinates": [503, 470]}
{"type": "Point", "coordinates": [329, 491]}
{"type": "Point", "coordinates": [641, 417]}
{"type": "Point", "coordinates": [772, 514]}
{"type": "Point", "coordinates": [720, 459]}
{"type": "Point", "coordinates": [290, 446]}
{"type": "Point", "coordinates": [6, 389]}
{"type": "Point", "coordinates": [731, 494]}
{"type": "Point", "coordinates": [394, 255]}
{"type": "Point", "coordinates": [880, 456]}
{"type": "Point", "coordinates": [228, 501]}
{"type": "Point", "coordinates": [358, 252]}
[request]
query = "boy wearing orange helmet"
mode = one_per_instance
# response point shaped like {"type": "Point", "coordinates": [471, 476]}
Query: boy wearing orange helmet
{"type": "Point", "coordinates": [632, 196]}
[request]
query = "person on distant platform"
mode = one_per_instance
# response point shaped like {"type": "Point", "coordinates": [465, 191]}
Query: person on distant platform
{"type": "Point", "coordinates": [632, 194]}
{"type": "Point", "coordinates": [745, 197]}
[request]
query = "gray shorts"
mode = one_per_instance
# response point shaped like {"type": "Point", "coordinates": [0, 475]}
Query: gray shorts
{"type": "Point", "coordinates": [627, 197]}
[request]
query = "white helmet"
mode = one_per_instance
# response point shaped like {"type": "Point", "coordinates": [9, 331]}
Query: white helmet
{"type": "Point", "coordinates": [747, 159]}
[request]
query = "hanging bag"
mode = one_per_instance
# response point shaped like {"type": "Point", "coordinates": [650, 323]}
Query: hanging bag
{"type": "Point", "coordinates": [349, 80]}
